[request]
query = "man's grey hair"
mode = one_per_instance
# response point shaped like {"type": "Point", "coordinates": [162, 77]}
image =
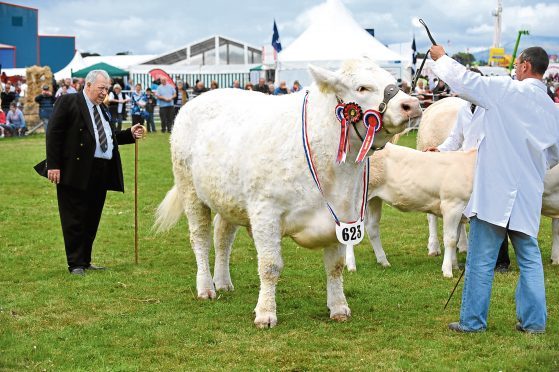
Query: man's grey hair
{"type": "Point", "coordinates": [94, 74]}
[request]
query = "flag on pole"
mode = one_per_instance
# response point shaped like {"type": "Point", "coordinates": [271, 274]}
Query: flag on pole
{"type": "Point", "coordinates": [276, 43]}
{"type": "Point", "coordinates": [413, 55]}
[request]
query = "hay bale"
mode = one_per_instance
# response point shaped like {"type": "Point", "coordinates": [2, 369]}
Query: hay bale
{"type": "Point", "coordinates": [36, 77]}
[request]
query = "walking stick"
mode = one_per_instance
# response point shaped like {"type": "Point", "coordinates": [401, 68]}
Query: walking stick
{"type": "Point", "coordinates": [447, 301]}
{"type": "Point", "coordinates": [136, 201]}
{"type": "Point", "coordinates": [416, 77]}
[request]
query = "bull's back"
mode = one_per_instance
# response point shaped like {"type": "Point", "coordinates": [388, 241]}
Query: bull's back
{"type": "Point", "coordinates": [437, 122]}
{"type": "Point", "coordinates": [228, 141]}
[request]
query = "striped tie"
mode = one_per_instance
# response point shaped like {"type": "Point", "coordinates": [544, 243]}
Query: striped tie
{"type": "Point", "coordinates": [100, 129]}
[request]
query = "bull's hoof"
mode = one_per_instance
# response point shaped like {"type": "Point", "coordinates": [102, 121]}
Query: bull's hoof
{"type": "Point", "coordinates": [224, 287]}
{"type": "Point", "coordinates": [384, 263]}
{"type": "Point", "coordinates": [206, 294]}
{"type": "Point", "coordinates": [447, 274]}
{"type": "Point", "coordinates": [462, 248]}
{"type": "Point", "coordinates": [351, 269]}
{"type": "Point", "coordinates": [266, 320]}
{"type": "Point", "coordinates": [555, 261]}
{"type": "Point", "coordinates": [434, 253]}
{"type": "Point", "coordinates": [340, 314]}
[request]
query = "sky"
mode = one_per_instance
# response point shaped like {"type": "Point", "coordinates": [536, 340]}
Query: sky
{"type": "Point", "coordinates": [157, 26]}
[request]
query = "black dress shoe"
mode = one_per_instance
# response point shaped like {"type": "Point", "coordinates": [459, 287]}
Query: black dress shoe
{"type": "Point", "coordinates": [519, 328]}
{"type": "Point", "coordinates": [77, 271]}
{"type": "Point", "coordinates": [503, 268]}
{"type": "Point", "coordinates": [94, 267]}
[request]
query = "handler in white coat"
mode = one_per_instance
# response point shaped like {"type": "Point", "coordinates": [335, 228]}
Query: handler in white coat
{"type": "Point", "coordinates": [519, 141]}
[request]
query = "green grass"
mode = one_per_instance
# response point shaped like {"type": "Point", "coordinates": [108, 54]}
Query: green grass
{"type": "Point", "coordinates": [146, 317]}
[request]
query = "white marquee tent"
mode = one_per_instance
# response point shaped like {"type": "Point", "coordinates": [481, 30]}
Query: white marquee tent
{"type": "Point", "coordinates": [332, 36]}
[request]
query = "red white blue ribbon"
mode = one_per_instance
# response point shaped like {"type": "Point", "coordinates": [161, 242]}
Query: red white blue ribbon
{"type": "Point", "coordinates": [372, 120]}
{"type": "Point", "coordinates": [314, 174]}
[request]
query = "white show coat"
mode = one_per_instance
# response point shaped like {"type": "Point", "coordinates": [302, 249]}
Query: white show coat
{"type": "Point", "coordinates": [467, 131]}
{"type": "Point", "coordinates": [518, 143]}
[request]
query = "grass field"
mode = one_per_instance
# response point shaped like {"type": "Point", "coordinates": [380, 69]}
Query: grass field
{"type": "Point", "coordinates": [146, 317]}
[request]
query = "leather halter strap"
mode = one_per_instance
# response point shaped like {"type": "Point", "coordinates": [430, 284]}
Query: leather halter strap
{"type": "Point", "coordinates": [389, 92]}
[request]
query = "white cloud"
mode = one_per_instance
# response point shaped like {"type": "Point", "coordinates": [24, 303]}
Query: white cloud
{"type": "Point", "coordinates": [481, 29]}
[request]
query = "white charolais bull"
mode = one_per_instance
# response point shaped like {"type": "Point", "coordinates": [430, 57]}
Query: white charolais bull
{"type": "Point", "coordinates": [240, 154]}
{"type": "Point", "coordinates": [411, 180]}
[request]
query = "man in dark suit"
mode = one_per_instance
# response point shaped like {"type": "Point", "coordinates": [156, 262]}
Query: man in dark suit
{"type": "Point", "coordinates": [84, 162]}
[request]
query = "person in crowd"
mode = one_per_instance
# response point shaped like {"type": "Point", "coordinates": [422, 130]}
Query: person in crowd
{"type": "Point", "coordinates": [166, 95]}
{"type": "Point", "coordinates": [249, 86]}
{"type": "Point", "coordinates": [421, 87]}
{"type": "Point", "coordinates": [151, 102]}
{"type": "Point", "coordinates": [46, 104]}
{"type": "Point", "coordinates": [296, 86]}
{"type": "Point", "coordinates": [441, 90]}
{"type": "Point", "coordinates": [16, 120]}
{"type": "Point", "coordinates": [3, 126]}
{"type": "Point", "coordinates": [405, 87]}
{"type": "Point", "coordinates": [507, 194]}
{"type": "Point", "coordinates": [137, 105]}
{"type": "Point", "coordinates": [271, 88]}
{"type": "Point", "coordinates": [236, 84]}
{"type": "Point", "coordinates": [69, 88]}
{"type": "Point", "coordinates": [214, 85]}
{"type": "Point", "coordinates": [262, 87]}
{"type": "Point", "coordinates": [181, 97]}
{"type": "Point", "coordinates": [199, 88]}
{"type": "Point", "coordinates": [282, 89]}
{"type": "Point", "coordinates": [117, 106]}
{"type": "Point", "coordinates": [83, 164]}
{"type": "Point", "coordinates": [7, 96]}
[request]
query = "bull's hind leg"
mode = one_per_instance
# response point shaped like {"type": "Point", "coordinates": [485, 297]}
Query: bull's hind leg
{"type": "Point", "coordinates": [267, 238]}
{"type": "Point", "coordinates": [199, 224]}
{"type": "Point", "coordinates": [372, 225]}
{"type": "Point", "coordinates": [433, 244]}
{"type": "Point", "coordinates": [555, 246]}
{"type": "Point", "coordinates": [334, 266]}
{"type": "Point", "coordinates": [463, 239]}
{"type": "Point", "coordinates": [224, 235]}
{"type": "Point", "coordinates": [451, 224]}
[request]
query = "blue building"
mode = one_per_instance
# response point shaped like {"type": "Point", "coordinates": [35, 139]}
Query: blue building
{"type": "Point", "coordinates": [22, 44]}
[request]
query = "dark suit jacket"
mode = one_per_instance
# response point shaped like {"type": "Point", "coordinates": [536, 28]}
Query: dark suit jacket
{"type": "Point", "coordinates": [71, 144]}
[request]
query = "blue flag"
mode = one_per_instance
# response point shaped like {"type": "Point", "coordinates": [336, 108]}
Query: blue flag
{"type": "Point", "coordinates": [276, 39]}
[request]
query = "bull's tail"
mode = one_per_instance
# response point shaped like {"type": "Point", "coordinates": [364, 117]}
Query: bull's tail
{"type": "Point", "coordinates": [169, 211]}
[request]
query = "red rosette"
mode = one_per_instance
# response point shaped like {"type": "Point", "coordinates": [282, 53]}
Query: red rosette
{"type": "Point", "coordinates": [352, 112]}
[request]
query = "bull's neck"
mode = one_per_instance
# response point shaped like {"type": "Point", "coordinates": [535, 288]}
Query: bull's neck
{"type": "Point", "coordinates": [324, 137]}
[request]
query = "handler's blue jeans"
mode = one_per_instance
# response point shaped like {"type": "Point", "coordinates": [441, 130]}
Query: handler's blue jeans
{"type": "Point", "coordinates": [483, 249]}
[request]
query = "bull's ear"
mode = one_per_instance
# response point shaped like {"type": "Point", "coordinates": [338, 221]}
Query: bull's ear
{"type": "Point", "coordinates": [326, 80]}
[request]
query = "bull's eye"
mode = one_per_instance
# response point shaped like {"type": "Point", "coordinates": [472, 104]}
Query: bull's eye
{"type": "Point", "coordinates": [363, 89]}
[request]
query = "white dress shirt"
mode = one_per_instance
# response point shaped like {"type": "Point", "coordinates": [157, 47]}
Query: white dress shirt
{"type": "Point", "coordinates": [98, 152]}
{"type": "Point", "coordinates": [519, 141]}
{"type": "Point", "coordinates": [467, 131]}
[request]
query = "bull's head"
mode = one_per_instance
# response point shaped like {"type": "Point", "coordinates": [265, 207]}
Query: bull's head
{"type": "Point", "coordinates": [363, 82]}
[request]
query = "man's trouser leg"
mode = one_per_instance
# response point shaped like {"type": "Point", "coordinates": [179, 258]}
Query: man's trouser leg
{"type": "Point", "coordinates": [483, 248]}
{"type": "Point", "coordinates": [530, 290]}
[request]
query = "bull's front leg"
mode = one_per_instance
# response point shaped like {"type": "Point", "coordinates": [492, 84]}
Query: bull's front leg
{"type": "Point", "coordinates": [555, 246]}
{"type": "Point", "coordinates": [224, 235]}
{"type": "Point", "coordinates": [267, 238]}
{"type": "Point", "coordinates": [334, 258]}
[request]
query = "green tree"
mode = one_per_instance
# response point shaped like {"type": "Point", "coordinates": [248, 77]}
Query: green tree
{"type": "Point", "coordinates": [464, 58]}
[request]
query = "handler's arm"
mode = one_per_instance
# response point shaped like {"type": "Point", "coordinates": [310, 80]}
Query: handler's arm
{"type": "Point", "coordinates": [455, 139]}
{"type": "Point", "coordinates": [482, 91]}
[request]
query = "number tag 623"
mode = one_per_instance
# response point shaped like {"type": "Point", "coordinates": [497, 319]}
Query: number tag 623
{"type": "Point", "coordinates": [350, 233]}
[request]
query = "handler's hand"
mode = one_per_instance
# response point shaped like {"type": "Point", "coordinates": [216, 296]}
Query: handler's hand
{"type": "Point", "coordinates": [54, 175]}
{"type": "Point", "coordinates": [431, 149]}
{"type": "Point", "coordinates": [137, 131]}
{"type": "Point", "coordinates": [437, 52]}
